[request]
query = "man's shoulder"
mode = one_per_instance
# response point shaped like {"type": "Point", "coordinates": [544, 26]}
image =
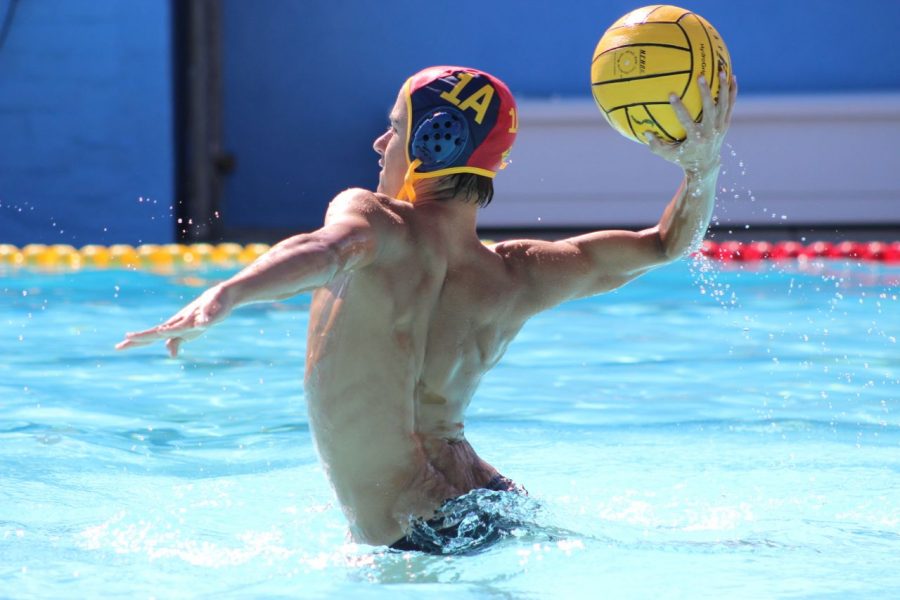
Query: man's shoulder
{"type": "Point", "coordinates": [521, 252]}
{"type": "Point", "coordinates": [358, 201]}
{"type": "Point", "coordinates": [370, 214]}
{"type": "Point", "coordinates": [376, 209]}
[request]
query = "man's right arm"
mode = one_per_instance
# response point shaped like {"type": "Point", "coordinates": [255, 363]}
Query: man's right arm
{"type": "Point", "coordinates": [301, 263]}
{"type": "Point", "coordinates": [350, 239]}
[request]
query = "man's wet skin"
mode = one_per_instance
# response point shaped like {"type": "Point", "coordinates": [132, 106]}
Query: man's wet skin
{"type": "Point", "coordinates": [396, 351]}
{"type": "Point", "coordinates": [410, 310]}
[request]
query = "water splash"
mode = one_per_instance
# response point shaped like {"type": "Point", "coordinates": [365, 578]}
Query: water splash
{"type": "Point", "coordinates": [474, 521]}
{"type": "Point", "coordinates": [857, 374]}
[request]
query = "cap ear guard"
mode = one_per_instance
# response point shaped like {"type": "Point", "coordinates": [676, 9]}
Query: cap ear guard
{"type": "Point", "coordinates": [439, 138]}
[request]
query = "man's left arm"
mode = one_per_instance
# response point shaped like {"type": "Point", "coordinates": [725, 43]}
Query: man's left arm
{"type": "Point", "coordinates": [604, 260]}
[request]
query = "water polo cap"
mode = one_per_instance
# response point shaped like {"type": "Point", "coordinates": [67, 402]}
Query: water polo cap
{"type": "Point", "coordinates": [460, 120]}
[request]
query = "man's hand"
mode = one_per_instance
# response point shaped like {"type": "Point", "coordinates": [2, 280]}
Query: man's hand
{"type": "Point", "coordinates": [699, 151]}
{"type": "Point", "coordinates": [209, 308]}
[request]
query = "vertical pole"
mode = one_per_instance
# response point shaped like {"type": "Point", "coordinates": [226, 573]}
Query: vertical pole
{"type": "Point", "coordinates": [201, 159]}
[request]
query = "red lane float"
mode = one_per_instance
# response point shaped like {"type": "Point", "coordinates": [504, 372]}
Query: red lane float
{"type": "Point", "coordinates": [888, 252]}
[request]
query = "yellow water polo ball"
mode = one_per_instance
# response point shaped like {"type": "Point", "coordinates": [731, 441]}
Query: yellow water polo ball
{"type": "Point", "coordinates": [649, 54]}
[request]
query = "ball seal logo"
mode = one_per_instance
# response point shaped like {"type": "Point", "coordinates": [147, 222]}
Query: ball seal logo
{"type": "Point", "coordinates": [626, 61]}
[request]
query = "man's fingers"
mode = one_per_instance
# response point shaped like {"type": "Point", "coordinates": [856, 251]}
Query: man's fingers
{"type": "Point", "coordinates": [723, 101]}
{"type": "Point", "coordinates": [174, 325]}
{"type": "Point", "coordinates": [173, 344]}
{"type": "Point", "coordinates": [656, 145]}
{"type": "Point", "coordinates": [131, 341]}
{"type": "Point", "coordinates": [708, 122]}
{"type": "Point", "coordinates": [726, 101]}
{"type": "Point", "coordinates": [148, 336]}
{"type": "Point", "coordinates": [732, 99]}
{"type": "Point", "coordinates": [681, 111]}
{"type": "Point", "coordinates": [188, 323]}
{"type": "Point", "coordinates": [166, 331]}
{"type": "Point", "coordinates": [126, 344]}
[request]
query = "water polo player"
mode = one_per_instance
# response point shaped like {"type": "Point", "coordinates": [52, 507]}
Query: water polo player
{"type": "Point", "coordinates": [409, 308]}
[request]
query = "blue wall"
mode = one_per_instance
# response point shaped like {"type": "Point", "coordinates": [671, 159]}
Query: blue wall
{"type": "Point", "coordinates": [309, 84]}
{"type": "Point", "coordinates": [86, 122]}
{"type": "Point", "coordinates": [86, 111]}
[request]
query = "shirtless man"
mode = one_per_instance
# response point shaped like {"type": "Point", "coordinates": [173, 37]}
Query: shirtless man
{"type": "Point", "coordinates": [410, 309]}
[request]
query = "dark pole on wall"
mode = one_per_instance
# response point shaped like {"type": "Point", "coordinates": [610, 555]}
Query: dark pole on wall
{"type": "Point", "coordinates": [201, 161]}
{"type": "Point", "coordinates": [8, 12]}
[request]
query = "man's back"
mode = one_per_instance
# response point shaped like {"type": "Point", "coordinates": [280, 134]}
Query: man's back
{"type": "Point", "coordinates": [410, 309]}
{"type": "Point", "coordinates": [395, 351]}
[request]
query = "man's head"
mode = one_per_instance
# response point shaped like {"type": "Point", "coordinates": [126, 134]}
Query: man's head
{"type": "Point", "coordinates": [453, 126]}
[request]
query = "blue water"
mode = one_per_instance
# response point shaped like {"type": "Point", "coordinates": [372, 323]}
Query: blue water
{"type": "Point", "coordinates": [703, 432]}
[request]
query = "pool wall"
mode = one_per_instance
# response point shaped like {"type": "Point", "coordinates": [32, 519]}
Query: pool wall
{"type": "Point", "coordinates": [798, 161]}
{"type": "Point", "coordinates": [87, 116]}
{"type": "Point", "coordinates": [320, 79]}
{"type": "Point", "coordinates": [86, 149]}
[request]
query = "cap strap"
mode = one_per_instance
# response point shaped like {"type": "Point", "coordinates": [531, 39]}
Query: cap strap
{"type": "Point", "coordinates": [408, 192]}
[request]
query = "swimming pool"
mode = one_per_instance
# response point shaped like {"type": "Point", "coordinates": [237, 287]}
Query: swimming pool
{"type": "Point", "coordinates": [707, 430]}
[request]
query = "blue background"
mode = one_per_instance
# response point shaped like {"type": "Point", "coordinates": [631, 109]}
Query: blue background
{"type": "Point", "coordinates": [86, 122]}
{"type": "Point", "coordinates": [86, 95]}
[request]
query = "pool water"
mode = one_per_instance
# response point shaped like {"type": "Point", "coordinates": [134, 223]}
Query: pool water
{"type": "Point", "coordinates": [704, 431]}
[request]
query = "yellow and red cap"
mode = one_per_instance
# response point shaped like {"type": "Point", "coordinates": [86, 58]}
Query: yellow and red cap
{"type": "Point", "coordinates": [460, 120]}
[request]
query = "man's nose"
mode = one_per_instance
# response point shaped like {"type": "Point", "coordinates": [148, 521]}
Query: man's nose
{"type": "Point", "coordinates": [380, 143]}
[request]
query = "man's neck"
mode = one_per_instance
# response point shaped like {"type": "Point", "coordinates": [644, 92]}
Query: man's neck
{"type": "Point", "coordinates": [463, 215]}
{"type": "Point", "coordinates": [455, 218]}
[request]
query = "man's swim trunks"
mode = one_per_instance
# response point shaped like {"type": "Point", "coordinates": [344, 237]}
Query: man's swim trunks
{"type": "Point", "coordinates": [468, 523]}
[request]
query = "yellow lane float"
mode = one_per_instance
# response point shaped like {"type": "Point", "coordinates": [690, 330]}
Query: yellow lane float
{"type": "Point", "coordinates": [155, 257]}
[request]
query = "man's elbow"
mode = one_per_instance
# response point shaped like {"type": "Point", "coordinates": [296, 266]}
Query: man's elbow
{"type": "Point", "coordinates": [666, 250]}
{"type": "Point", "coordinates": [673, 249]}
